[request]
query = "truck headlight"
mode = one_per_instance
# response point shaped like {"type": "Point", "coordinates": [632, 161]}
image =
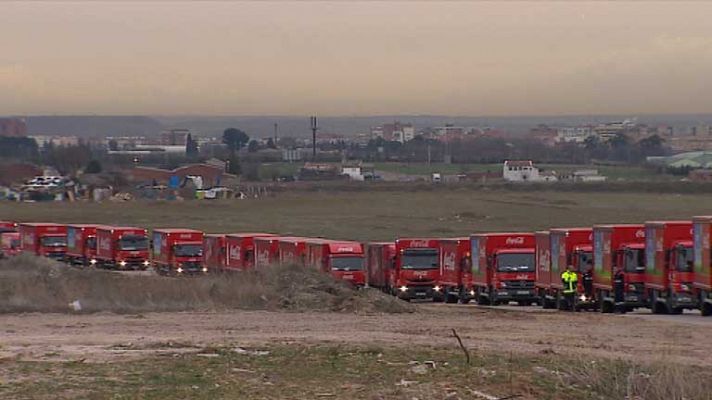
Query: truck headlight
{"type": "Point", "coordinates": [403, 288]}
{"type": "Point", "coordinates": [472, 292]}
{"type": "Point", "coordinates": [684, 287]}
{"type": "Point", "coordinates": [146, 263]}
{"type": "Point", "coordinates": [503, 284]}
{"type": "Point", "coordinates": [437, 288]}
{"type": "Point", "coordinates": [179, 270]}
{"type": "Point", "coordinates": [92, 261]}
{"type": "Point", "coordinates": [122, 263]}
{"type": "Point", "coordinates": [205, 270]}
{"type": "Point", "coordinates": [583, 297]}
{"type": "Point", "coordinates": [631, 288]}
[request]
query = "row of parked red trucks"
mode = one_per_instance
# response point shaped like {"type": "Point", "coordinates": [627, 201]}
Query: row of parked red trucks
{"type": "Point", "coordinates": [661, 265]}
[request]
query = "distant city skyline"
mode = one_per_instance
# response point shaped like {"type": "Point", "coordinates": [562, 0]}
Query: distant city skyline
{"type": "Point", "coordinates": [353, 58]}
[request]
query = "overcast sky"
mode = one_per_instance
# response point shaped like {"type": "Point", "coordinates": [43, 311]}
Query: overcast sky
{"type": "Point", "coordinates": [347, 58]}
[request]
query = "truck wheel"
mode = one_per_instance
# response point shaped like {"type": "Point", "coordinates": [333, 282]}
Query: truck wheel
{"type": "Point", "coordinates": [482, 299]}
{"type": "Point", "coordinates": [660, 308]}
{"type": "Point", "coordinates": [706, 309]}
{"type": "Point", "coordinates": [450, 298]}
{"type": "Point", "coordinates": [607, 307]}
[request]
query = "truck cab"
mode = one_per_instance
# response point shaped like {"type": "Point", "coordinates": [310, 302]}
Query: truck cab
{"type": "Point", "coordinates": [343, 260]}
{"type": "Point", "coordinates": [416, 269]}
{"type": "Point", "coordinates": [619, 267]}
{"type": "Point", "coordinates": [503, 268]}
{"type": "Point", "coordinates": [178, 251]}
{"type": "Point", "coordinates": [214, 252]}
{"type": "Point", "coordinates": [669, 266]}
{"type": "Point", "coordinates": [566, 247]}
{"type": "Point", "coordinates": [702, 274]}
{"type": "Point", "coordinates": [455, 270]}
{"type": "Point", "coordinates": [44, 239]}
{"type": "Point", "coordinates": [81, 245]}
{"type": "Point", "coordinates": [379, 265]}
{"type": "Point", "coordinates": [122, 247]}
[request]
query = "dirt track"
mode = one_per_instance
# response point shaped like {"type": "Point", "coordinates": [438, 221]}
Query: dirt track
{"type": "Point", "coordinates": [109, 337]}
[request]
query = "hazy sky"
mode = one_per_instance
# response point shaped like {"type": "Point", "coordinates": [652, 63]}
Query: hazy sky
{"type": "Point", "coordinates": [348, 58]}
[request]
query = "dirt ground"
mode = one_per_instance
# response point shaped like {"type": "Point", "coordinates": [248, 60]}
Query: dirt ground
{"type": "Point", "coordinates": [110, 337]}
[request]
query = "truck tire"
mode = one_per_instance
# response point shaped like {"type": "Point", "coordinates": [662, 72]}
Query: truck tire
{"type": "Point", "coordinates": [607, 307]}
{"type": "Point", "coordinates": [482, 299]}
{"type": "Point", "coordinates": [450, 298]}
{"type": "Point", "coordinates": [706, 309]}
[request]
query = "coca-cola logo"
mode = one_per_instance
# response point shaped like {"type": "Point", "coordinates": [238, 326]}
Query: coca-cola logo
{"type": "Point", "coordinates": [521, 277]}
{"type": "Point", "coordinates": [104, 243]}
{"type": "Point", "coordinates": [235, 252]}
{"type": "Point", "coordinates": [449, 261]}
{"type": "Point", "coordinates": [419, 243]}
{"type": "Point", "coordinates": [263, 257]}
{"type": "Point", "coordinates": [185, 235]}
{"type": "Point", "coordinates": [345, 250]}
{"type": "Point", "coordinates": [518, 240]}
{"type": "Point", "coordinates": [29, 238]}
{"type": "Point", "coordinates": [640, 234]}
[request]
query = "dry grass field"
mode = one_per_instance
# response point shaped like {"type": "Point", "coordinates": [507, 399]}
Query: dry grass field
{"type": "Point", "coordinates": [379, 215]}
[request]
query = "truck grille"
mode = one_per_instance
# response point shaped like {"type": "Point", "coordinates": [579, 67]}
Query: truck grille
{"type": "Point", "coordinates": [523, 285]}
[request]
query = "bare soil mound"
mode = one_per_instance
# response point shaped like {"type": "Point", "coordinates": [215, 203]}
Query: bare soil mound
{"type": "Point", "coordinates": [31, 284]}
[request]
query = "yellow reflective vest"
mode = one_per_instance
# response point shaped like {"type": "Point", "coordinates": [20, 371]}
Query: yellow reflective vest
{"type": "Point", "coordinates": [569, 279]}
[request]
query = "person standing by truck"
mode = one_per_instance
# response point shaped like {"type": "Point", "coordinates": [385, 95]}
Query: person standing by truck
{"type": "Point", "coordinates": [569, 279]}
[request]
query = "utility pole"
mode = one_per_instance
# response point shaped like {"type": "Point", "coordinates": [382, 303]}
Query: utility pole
{"type": "Point", "coordinates": [276, 133]}
{"type": "Point", "coordinates": [314, 127]}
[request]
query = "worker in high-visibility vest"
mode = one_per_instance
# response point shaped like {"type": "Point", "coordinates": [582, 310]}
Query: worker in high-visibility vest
{"type": "Point", "coordinates": [569, 279]}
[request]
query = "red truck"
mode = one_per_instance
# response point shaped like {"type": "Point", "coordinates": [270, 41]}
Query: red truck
{"type": "Point", "coordinates": [456, 270]}
{"type": "Point", "coordinates": [214, 252]}
{"type": "Point", "coordinates": [241, 250]}
{"type": "Point", "coordinates": [566, 247]}
{"type": "Point", "coordinates": [292, 250]}
{"type": "Point", "coordinates": [702, 263]}
{"type": "Point", "coordinates": [503, 268]}
{"type": "Point", "coordinates": [266, 251]}
{"type": "Point", "coordinates": [44, 239]}
{"type": "Point", "coordinates": [122, 247]}
{"type": "Point", "coordinates": [379, 265]}
{"type": "Point", "coordinates": [8, 226]}
{"type": "Point", "coordinates": [9, 244]}
{"type": "Point", "coordinates": [81, 245]}
{"type": "Point", "coordinates": [178, 251]}
{"type": "Point", "coordinates": [669, 263]}
{"type": "Point", "coordinates": [619, 266]}
{"type": "Point", "coordinates": [344, 260]}
{"type": "Point", "coordinates": [416, 269]}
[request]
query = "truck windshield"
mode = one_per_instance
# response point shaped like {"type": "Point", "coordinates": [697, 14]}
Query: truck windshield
{"type": "Point", "coordinates": [515, 262]}
{"type": "Point", "coordinates": [347, 263]}
{"type": "Point", "coordinates": [133, 242]}
{"type": "Point", "coordinates": [420, 259]}
{"type": "Point", "coordinates": [54, 241]}
{"type": "Point", "coordinates": [91, 243]}
{"type": "Point", "coordinates": [685, 259]}
{"type": "Point", "coordinates": [188, 250]}
{"type": "Point", "coordinates": [585, 259]}
{"type": "Point", "coordinates": [635, 260]}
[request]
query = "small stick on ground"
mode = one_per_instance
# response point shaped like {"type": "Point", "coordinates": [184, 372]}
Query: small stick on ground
{"type": "Point", "coordinates": [464, 349]}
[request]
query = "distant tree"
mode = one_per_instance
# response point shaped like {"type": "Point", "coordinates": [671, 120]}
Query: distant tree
{"type": "Point", "coordinates": [235, 139]}
{"type": "Point", "coordinates": [620, 140]}
{"type": "Point", "coordinates": [253, 146]}
{"type": "Point", "coordinates": [20, 147]}
{"type": "Point", "coordinates": [233, 165]}
{"type": "Point", "coordinates": [270, 144]}
{"type": "Point", "coordinates": [94, 167]}
{"type": "Point", "coordinates": [191, 146]}
{"type": "Point", "coordinates": [113, 145]}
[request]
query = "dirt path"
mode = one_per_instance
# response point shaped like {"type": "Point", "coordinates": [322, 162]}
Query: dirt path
{"type": "Point", "coordinates": [108, 337]}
